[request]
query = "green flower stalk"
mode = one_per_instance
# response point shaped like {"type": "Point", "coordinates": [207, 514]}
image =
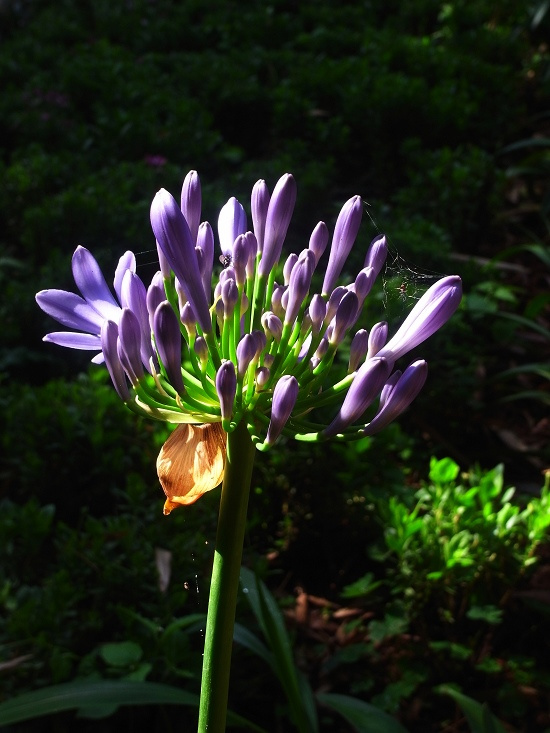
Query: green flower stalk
{"type": "Point", "coordinates": [237, 357]}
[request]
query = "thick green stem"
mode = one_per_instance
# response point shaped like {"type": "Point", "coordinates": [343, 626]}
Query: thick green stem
{"type": "Point", "coordinates": [225, 581]}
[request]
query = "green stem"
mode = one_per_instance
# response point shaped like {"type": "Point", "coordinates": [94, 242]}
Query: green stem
{"type": "Point", "coordinates": [225, 581]}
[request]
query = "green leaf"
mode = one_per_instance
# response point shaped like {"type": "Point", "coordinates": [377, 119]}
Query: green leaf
{"type": "Point", "coordinates": [443, 471]}
{"type": "Point", "coordinates": [479, 717]}
{"type": "Point", "coordinates": [491, 614]}
{"type": "Point", "coordinates": [361, 587]}
{"type": "Point", "coordinates": [99, 698]}
{"type": "Point", "coordinates": [91, 696]}
{"type": "Point", "coordinates": [364, 717]}
{"type": "Point", "coordinates": [270, 619]}
{"type": "Point", "coordinates": [121, 654]}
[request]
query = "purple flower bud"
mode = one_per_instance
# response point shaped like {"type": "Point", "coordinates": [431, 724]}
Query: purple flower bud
{"type": "Point", "coordinates": [272, 325]}
{"type": "Point", "coordinates": [433, 310]}
{"type": "Point", "coordinates": [363, 284]}
{"type": "Point", "coordinates": [345, 232]}
{"type": "Point", "coordinates": [377, 338]}
{"type": "Point", "coordinates": [246, 349]}
{"type": "Point", "coordinates": [319, 240]}
{"type": "Point", "coordinates": [168, 342]}
{"type": "Point", "coordinates": [260, 341]}
{"type": "Point", "coordinates": [298, 286]}
{"type": "Point", "coordinates": [188, 318]}
{"type": "Point", "coordinates": [279, 213]}
{"type": "Point", "coordinates": [334, 301]}
{"type": "Point", "coordinates": [276, 299]}
{"type": "Point", "coordinates": [259, 205]}
{"type": "Point", "coordinates": [155, 296]}
{"type": "Point", "coordinates": [322, 348]}
{"type": "Point", "coordinates": [289, 264]}
{"type": "Point", "coordinates": [376, 254]}
{"type": "Point", "coordinates": [201, 349]}
{"type": "Point", "coordinates": [346, 315]}
{"type": "Point", "coordinates": [205, 242]}
{"type": "Point", "coordinates": [230, 296]}
{"type": "Point", "coordinates": [285, 395]}
{"type": "Point", "coordinates": [228, 273]}
{"type": "Point", "coordinates": [317, 312]}
{"type": "Point", "coordinates": [241, 252]}
{"type": "Point", "coordinates": [174, 238]}
{"type": "Point", "coordinates": [367, 383]}
{"type": "Point", "coordinates": [252, 252]}
{"type": "Point", "coordinates": [226, 387]}
{"type": "Point", "coordinates": [358, 349]}
{"type": "Point", "coordinates": [129, 336]}
{"type": "Point", "coordinates": [231, 223]}
{"type": "Point", "coordinates": [262, 376]}
{"type": "Point", "coordinates": [191, 202]}
{"type": "Point", "coordinates": [109, 339]}
{"type": "Point", "coordinates": [403, 391]}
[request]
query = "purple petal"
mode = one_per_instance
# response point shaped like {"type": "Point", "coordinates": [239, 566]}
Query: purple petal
{"type": "Point", "coordinates": [285, 395]}
{"type": "Point", "coordinates": [431, 312]}
{"type": "Point", "coordinates": [174, 238]}
{"type": "Point", "coordinates": [279, 213]}
{"type": "Point", "coordinates": [69, 309]}
{"type": "Point", "coordinates": [367, 383]}
{"type": "Point", "coordinates": [91, 283]}
{"type": "Point", "coordinates": [345, 232]}
{"type": "Point", "coordinates": [126, 262]}
{"type": "Point", "coordinates": [84, 341]}
{"type": "Point", "coordinates": [129, 334]}
{"type": "Point", "coordinates": [134, 297]}
{"type": "Point", "coordinates": [109, 341]}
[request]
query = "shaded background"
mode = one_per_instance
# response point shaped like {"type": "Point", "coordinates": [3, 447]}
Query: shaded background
{"type": "Point", "coordinates": [436, 113]}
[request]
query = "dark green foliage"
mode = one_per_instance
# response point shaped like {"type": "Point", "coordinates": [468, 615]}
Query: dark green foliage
{"type": "Point", "coordinates": [437, 113]}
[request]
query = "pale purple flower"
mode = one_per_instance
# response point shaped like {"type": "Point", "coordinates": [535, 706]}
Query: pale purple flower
{"type": "Point", "coordinates": [85, 314]}
{"type": "Point", "coordinates": [299, 282]}
{"type": "Point", "coordinates": [129, 345]}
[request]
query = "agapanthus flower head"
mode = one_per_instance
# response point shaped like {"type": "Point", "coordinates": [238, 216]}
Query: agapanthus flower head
{"type": "Point", "coordinates": [255, 339]}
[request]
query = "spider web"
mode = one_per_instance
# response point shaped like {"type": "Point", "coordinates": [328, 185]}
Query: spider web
{"type": "Point", "coordinates": [403, 282]}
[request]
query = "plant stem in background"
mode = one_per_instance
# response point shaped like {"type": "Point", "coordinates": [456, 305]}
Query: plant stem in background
{"type": "Point", "coordinates": [225, 581]}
